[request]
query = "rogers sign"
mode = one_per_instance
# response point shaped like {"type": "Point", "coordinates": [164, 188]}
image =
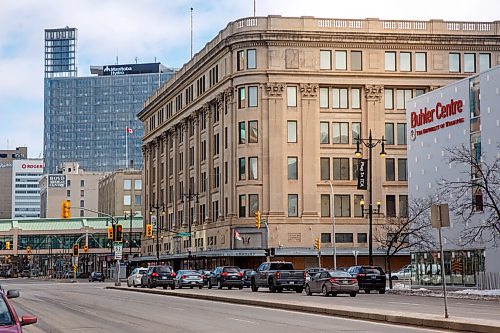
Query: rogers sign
{"type": "Point", "coordinates": [439, 112]}
{"type": "Point", "coordinates": [32, 166]}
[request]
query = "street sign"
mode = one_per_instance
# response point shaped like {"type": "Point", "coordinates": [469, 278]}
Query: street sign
{"type": "Point", "coordinates": [118, 249]}
{"type": "Point", "coordinates": [183, 234]}
{"type": "Point", "coordinates": [440, 216]}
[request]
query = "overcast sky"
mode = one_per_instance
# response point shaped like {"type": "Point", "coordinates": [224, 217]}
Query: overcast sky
{"type": "Point", "coordinates": [149, 29]}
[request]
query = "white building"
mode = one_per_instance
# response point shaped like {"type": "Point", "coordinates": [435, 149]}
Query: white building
{"type": "Point", "coordinates": [26, 175]}
{"type": "Point", "coordinates": [464, 113]}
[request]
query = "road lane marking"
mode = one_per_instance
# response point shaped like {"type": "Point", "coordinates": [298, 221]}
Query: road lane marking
{"type": "Point", "coordinates": [245, 321]}
{"type": "Point", "coordinates": [403, 303]}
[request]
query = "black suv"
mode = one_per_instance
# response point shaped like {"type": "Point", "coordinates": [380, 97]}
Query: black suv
{"type": "Point", "coordinates": [159, 276]}
{"type": "Point", "coordinates": [226, 276]}
{"type": "Point", "coordinates": [96, 276]}
{"type": "Point", "coordinates": [369, 278]}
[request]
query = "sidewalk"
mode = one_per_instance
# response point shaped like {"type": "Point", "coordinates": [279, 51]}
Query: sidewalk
{"type": "Point", "coordinates": [473, 294]}
{"type": "Point", "coordinates": [308, 305]}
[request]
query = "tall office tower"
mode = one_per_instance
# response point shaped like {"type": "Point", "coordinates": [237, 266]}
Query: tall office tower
{"type": "Point", "coordinates": [92, 120]}
{"type": "Point", "coordinates": [60, 52]}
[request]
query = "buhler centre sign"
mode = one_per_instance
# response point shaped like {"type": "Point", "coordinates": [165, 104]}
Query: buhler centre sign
{"type": "Point", "coordinates": [431, 116]}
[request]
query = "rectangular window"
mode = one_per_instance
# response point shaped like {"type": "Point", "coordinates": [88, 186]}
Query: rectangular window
{"type": "Point", "coordinates": [388, 99]}
{"type": "Point", "coordinates": [356, 61]}
{"type": "Point", "coordinates": [325, 168]}
{"type": "Point", "coordinates": [356, 132]}
{"type": "Point", "coordinates": [389, 169]}
{"type": "Point", "coordinates": [402, 97]}
{"type": "Point", "coordinates": [225, 139]}
{"type": "Point", "coordinates": [402, 169]}
{"type": "Point", "coordinates": [340, 133]}
{"type": "Point", "coordinates": [355, 164]}
{"type": "Point", "coordinates": [253, 131]}
{"type": "Point", "coordinates": [419, 92]}
{"type": "Point", "coordinates": [292, 168]}
{"type": "Point", "coordinates": [325, 205]}
{"type": "Point", "coordinates": [358, 210]}
{"type": "Point", "coordinates": [355, 98]}
{"type": "Point", "coordinates": [253, 163]}
{"type": "Point", "coordinates": [226, 172]}
{"type": "Point", "coordinates": [242, 168]}
{"type": "Point", "coordinates": [454, 62]}
{"type": "Point", "coordinates": [291, 94]}
{"type": "Point", "coordinates": [362, 238]}
{"type": "Point", "coordinates": [390, 61]}
{"type": "Point", "coordinates": [253, 201]}
{"type": "Point", "coordinates": [138, 200]}
{"type": "Point", "coordinates": [242, 205]}
{"type": "Point", "coordinates": [420, 61]}
{"type": "Point", "coordinates": [484, 61]}
{"type": "Point", "coordinates": [82, 193]}
{"type": "Point", "coordinates": [127, 184]}
{"type": "Point", "coordinates": [343, 237]}
{"type": "Point", "coordinates": [241, 60]}
{"type": "Point", "coordinates": [401, 134]}
{"type": "Point", "coordinates": [340, 168]}
{"type": "Point", "coordinates": [390, 201]}
{"type": "Point", "coordinates": [241, 97]}
{"type": "Point", "coordinates": [252, 96]}
{"type": "Point", "coordinates": [469, 62]}
{"type": "Point", "coordinates": [324, 101]}
{"type": "Point", "coordinates": [342, 204]}
{"type": "Point", "coordinates": [389, 133]}
{"type": "Point", "coordinates": [403, 206]}
{"type": "Point", "coordinates": [325, 59]}
{"type": "Point", "coordinates": [339, 98]}
{"type": "Point", "coordinates": [242, 133]}
{"type": "Point", "coordinates": [292, 131]}
{"type": "Point", "coordinates": [324, 132]}
{"type": "Point", "coordinates": [293, 205]}
{"type": "Point", "coordinates": [326, 237]}
{"type": "Point", "coordinates": [138, 184]}
{"type": "Point", "coordinates": [127, 200]}
{"type": "Point", "coordinates": [405, 61]}
{"type": "Point", "coordinates": [82, 183]}
{"type": "Point", "coordinates": [251, 59]}
{"type": "Point", "coordinates": [341, 60]}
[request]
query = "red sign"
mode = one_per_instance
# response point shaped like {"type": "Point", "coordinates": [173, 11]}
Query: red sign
{"type": "Point", "coordinates": [32, 166]}
{"type": "Point", "coordinates": [427, 116]}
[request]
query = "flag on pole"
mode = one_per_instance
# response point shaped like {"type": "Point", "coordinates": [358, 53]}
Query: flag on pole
{"type": "Point", "coordinates": [237, 235]}
{"type": "Point", "coordinates": [129, 130]}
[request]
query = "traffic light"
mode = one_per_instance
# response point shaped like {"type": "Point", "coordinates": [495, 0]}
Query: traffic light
{"type": "Point", "coordinates": [149, 230]}
{"type": "Point", "coordinates": [7, 245]}
{"type": "Point", "coordinates": [257, 219]}
{"type": "Point", "coordinates": [110, 232]}
{"type": "Point", "coordinates": [317, 244]}
{"type": "Point", "coordinates": [85, 248]}
{"type": "Point", "coordinates": [28, 249]}
{"type": "Point", "coordinates": [118, 233]}
{"type": "Point", "coordinates": [75, 250]}
{"type": "Point", "coordinates": [66, 209]}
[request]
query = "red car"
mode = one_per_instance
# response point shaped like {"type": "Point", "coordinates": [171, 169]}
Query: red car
{"type": "Point", "coordinates": [9, 321]}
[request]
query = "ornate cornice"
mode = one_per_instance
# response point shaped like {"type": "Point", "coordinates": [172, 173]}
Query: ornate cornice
{"type": "Point", "coordinates": [275, 89]}
{"type": "Point", "coordinates": [206, 110]}
{"type": "Point", "coordinates": [374, 92]}
{"type": "Point", "coordinates": [309, 90]}
{"type": "Point", "coordinates": [228, 94]}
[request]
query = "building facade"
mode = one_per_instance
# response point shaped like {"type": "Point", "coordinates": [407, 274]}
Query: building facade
{"type": "Point", "coordinates": [120, 193]}
{"type": "Point", "coordinates": [61, 52]}
{"type": "Point", "coordinates": [26, 175]}
{"type": "Point", "coordinates": [7, 156]}
{"type": "Point", "coordinates": [461, 115]}
{"type": "Point", "coordinates": [266, 118]}
{"type": "Point", "coordinates": [74, 184]}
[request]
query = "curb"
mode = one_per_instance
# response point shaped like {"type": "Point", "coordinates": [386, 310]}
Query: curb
{"type": "Point", "coordinates": [431, 293]}
{"type": "Point", "coordinates": [454, 324]}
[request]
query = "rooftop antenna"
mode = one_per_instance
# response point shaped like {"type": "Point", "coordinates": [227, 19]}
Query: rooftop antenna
{"type": "Point", "coordinates": [191, 32]}
{"type": "Point", "coordinates": [116, 60]}
{"type": "Point", "coordinates": [136, 60]}
{"type": "Point", "coordinates": [254, 8]}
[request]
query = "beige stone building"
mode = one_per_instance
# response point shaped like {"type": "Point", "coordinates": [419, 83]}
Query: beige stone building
{"type": "Point", "coordinates": [7, 156]}
{"type": "Point", "coordinates": [266, 116]}
{"type": "Point", "coordinates": [74, 184]}
{"type": "Point", "coordinates": [120, 193]}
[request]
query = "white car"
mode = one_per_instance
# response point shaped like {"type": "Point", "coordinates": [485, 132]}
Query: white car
{"type": "Point", "coordinates": [135, 277]}
{"type": "Point", "coordinates": [403, 274]}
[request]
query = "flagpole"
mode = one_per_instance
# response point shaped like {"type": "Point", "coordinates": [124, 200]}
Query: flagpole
{"type": "Point", "coordinates": [126, 148]}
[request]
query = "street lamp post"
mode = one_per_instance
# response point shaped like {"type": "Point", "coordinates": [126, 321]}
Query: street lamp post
{"type": "Point", "coordinates": [334, 243]}
{"type": "Point", "coordinates": [157, 207]}
{"type": "Point", "coordinates": [370, 143]}
{"type": "Point", "coordinates": [190, 196]}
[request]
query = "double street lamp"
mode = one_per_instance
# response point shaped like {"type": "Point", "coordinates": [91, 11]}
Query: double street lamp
{"type": "Point", "coordinates": [157, 207]}
{"type": "Point", "coordinates": [370, 143]}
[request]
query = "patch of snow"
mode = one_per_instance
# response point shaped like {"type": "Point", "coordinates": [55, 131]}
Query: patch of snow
{"type": "Point", "coordinates": [493, 292]}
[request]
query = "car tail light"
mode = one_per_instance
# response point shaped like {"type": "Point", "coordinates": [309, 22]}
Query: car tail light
{"type": "Point", "coordinates": [332, 280]}
{"type": "Point", "coordinates": [240, 273]}
{"type": "Point", "coordinates": [173, 274]}
{"type": "Point", "coordinates": [202, 276]}
{"type": "Point", "coordinates": [154, 275]}
{"type": "Point", "coordinates": [305, 275]}
{"type": "Point", "coordinates": [361, 275]}
{"type": "Point", "coordinates": [278, 275]}
{"type": "Point", "coordinates": [183, 276]}
{"type": "Point", "coordinates": [224, 274]}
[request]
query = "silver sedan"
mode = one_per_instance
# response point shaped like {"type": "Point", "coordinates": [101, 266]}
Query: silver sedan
{"type": "Point", "coordinates": [332, 283]}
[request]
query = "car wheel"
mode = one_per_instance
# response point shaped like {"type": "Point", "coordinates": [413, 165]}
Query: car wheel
{"type": "Point", "coordinates": [190, 287]}
{"type": "Point", "coordinates": [279, 289]}
{"type": "Point", "coordinates": [308, 290]}
{"type": "Point", "coordinates": [172, 287]}
{"type": "Point", "coordinates": [128, 284]}
{"type": "Point", "coordinates": [240, 287]}
{"type": "Point", "coordinates": [352, 294]}
{"type": "Point", "coordinates": [272, 288]}
{"type": "Point", "coordinates": [324, 291]}
{"type": "Point", "coordinates": [209, 286]}
{"type": "Point", "coordinates": [229, 287]}
{"type": "Point", "coordinates": [200, 287]}
{"type": "Point", "coordinates": [394, 278]}
{"type": "Point", "coordinates": [334, 294]}
{"type": "Point", "coordinates": [165, 287]}
{"type": "Point", "coordinates": [179, 286]}
{"type": "Point", "coordinates": [367, 291]}
{"type": "Point", "coordinates": [254, 287]}
{"type": "Point", "coordinates": [219, 284]}
{"type": "Point", "coordinates": [299, 290]}
{"type": "Point", "coordinates": [381, 291]}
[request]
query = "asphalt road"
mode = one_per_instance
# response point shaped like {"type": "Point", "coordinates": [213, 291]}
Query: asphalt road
{"type": "Point", "coordinates": [88, 307]}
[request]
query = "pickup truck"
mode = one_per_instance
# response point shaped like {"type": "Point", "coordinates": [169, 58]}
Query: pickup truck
{"type": "Point", "coordinates": [278, 276]}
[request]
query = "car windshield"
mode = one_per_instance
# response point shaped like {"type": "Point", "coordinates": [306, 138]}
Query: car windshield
{"type": "Point", "coordinates": [371, 270]}
{"type": "Point", "coordinates": [339, 274]}
{"type": "Point", "coordinates": [187, 272]}
{"type": "Point", "coordinates": [231, 269]}
{"type": "Point", "coordinates": [164, 269]}
{"type": "Point", "coordinates": [5, 316]}
{"type": "Point", "coordinates": [282, 266]}
{"type": "Point", "coordinates": [97, 273]}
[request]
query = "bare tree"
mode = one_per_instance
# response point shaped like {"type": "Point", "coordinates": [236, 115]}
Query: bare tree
{"type": "Point", "coordinates": [410, 231]}
{"type": "Point", "coordinates": [476, 191]}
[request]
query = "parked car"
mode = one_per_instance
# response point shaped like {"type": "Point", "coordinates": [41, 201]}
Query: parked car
{"type": "Point", "coordinates": [96, 276]}
{"type": "Point", "coordinates": [82, 275]}
{"type": "Point", "coordinates": [188, 278]}
{"type": "Point", "coordinates": [26, 273]}
{"type": "Point", "coordinates": [277, 276]}
{"type": "Point", "coordinates": [9, 321]}
{"type": "Point", "coordinates": [332, 283]}
{"type": "Point", "coordinates": [226, 276]}
{"type": "Point", "coordinates": [313, 271]}
{"type": "Point", "coordinates": [205, 274]}
{"type": "Point", "coordinates": [369, 278]}
{"type": "Point", "coordinates": [402, 274]}
{"type": "Point", "coordinates": [247, 277]}
{"type": "Point", "coordinates": [163, 276]}
{"type": "Point", "coordinates": [135, 276]}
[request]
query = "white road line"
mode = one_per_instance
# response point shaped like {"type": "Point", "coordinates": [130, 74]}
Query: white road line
{"type": "Point", "coordinates": [403, 303]}
{"type": "Point", "coordinates": [245, 321]}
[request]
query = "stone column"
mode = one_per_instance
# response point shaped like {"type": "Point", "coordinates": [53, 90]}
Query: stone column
{"type": "Point", "coordinates": [232, 145]}
{"type": "Point", "coordinates": [219, 104]}
{"type": "Point", "coordinates": [210, 160]}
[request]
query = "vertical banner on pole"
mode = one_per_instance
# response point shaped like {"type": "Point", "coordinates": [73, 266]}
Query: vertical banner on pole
{"type": "Point", "coordinates": [362, 174]}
